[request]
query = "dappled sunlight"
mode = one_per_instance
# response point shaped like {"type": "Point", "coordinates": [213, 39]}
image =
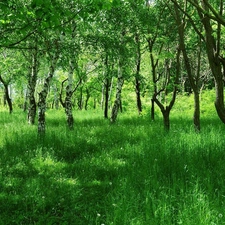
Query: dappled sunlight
{"type": "Point", "coordinates": [47, 164]}
{"type": "Point", "coordinates": [108, 162]}
{"type": "Point", "coordinates": [66, 181]}
{"type": "Point", "coordinates": [130, 171]}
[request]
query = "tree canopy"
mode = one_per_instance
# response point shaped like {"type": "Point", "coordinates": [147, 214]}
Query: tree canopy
{"type": "Point", "coordinates": [156, 47]}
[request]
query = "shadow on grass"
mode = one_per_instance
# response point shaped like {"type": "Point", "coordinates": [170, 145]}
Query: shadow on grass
{"type": "Point", "coordinates": [63, 180]}
{"type": "Point", "coordinates": [101, 173]}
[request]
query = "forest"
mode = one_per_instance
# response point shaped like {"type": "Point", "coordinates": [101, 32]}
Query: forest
{"type": "Point", "coordinates": [112, 112]}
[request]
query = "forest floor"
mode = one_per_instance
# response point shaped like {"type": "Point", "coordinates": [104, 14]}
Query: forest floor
{"type": "Point", "coordinates": [128, 173]}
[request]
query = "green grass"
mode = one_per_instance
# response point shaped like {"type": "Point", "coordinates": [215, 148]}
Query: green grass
{"type": "Point", "coordinates": [128, 173]}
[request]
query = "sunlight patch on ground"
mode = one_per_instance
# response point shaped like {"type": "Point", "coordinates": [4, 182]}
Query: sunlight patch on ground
{"type": "Point", "coordinates": [67, 181]}
{"type": "Point", "coordinates": [47, 164]}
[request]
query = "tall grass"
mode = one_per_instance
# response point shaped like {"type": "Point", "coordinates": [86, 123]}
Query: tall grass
{"type": "Point", "coordinates": [128, 173]}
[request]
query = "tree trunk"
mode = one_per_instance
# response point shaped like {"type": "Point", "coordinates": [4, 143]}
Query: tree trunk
{"type": "Point", "coordinates": [121, 106]}
{"type": "Point", "coordinates": [56, 98]}
{"type": "Point", "coordinates": [80, 100]}
{"type": "Point", "coordinates": [196, 117]}
{"type": "Point", "coordinates": [6, 94]}
{"type": "Point", "coordinates": [166, 119]}
{"type": "Point", "coordinates": [152, 109]}
{"type": "Point", "coordinates": [8, 99]}
{"type": "Point", "coordinates": [94, 104]}
{"type": "Point", "coordinates": [32, 109]}
{"type": "Point", "coordinates": [87, 99]}
{"type": "Point", "coordinates": [25, 101]}
{"type": "Point", "coordinates": [214, 56]}
{"type": "Point", "coordinates": [107, 87]}
{"type": "Point", "coordinates": [31, 89]}
{"type": "Point", "coordinates": [194, 81]}
{"type": "Point", "coordinates": [219, 102]}
{"type": "Point", "coordinates": [166, 109]}
{"type": "Point", "coordinates": [138, 95]}
{"type": "Point", "coordinates": [68, 99]}
{"type": "Point", "coordinates": [137, 76]}
{"type": "Point", "coordinates": [117, 101]}
{"type": "Point", "coordinates": [43, 95]}
{"type": "Point", "coordinates": [103, 96]}
{"type": "Point", "coordinates": [110, 92]}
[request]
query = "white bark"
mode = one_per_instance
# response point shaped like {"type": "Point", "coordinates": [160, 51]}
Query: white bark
{"type": "Point", "coordinates": [31, 89]}
{"type": "Point", "coordinates": [43, 95]}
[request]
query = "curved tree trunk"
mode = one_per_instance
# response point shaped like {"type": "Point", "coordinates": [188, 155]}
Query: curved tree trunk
{"type": "Point", "coordinates": [43, 95]}
{"type": "Point", "coordinates": [88, 95]}
{"type": "Point", "coordinates": [7, 96]}
{"type": "Point", "coordinates": [194, 80]}
{"type": "Point", "coordinates": [219, 102]}
{"type": "Point", "coordinates": [214, 56]}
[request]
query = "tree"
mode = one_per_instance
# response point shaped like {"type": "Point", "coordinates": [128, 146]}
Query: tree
{"type": "Point", "coordinates": [32, 80]}
{"type": "Point", "coordinates": [194, 80]}
{"type": "Point", "coordinates": [165, 62]}
{"type": "Point", "coordinates": [211, 18]}
{"type": "Point", "coordinates": [216, 60]}
{"type": "Point", "coordinates": [11, 71]}
{"type": "Point", "coordinates": [7, 95]}
{"type": "Point", "coordinates": [52, 58]}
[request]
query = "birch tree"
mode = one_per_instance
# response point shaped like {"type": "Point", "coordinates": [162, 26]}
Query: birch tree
{"type": "Point", "coordinates": [117, 102]}
{"type": "Point", "coordinates": [31, 86]}
{"type": "Point", "coordinates": [52, 59]}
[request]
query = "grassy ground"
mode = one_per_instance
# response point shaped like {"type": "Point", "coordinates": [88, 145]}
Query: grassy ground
{"type": "Point", "coordinates": [129, 173]}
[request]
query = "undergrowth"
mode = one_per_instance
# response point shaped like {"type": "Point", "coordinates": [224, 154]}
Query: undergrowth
{"type": "Point", "coordinates": [128, 173]}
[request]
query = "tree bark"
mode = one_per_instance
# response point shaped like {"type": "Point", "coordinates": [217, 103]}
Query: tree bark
{"type": "Point", "coordinates": [103, 96]}
{"type": "Point", "coordinates": [25, 100]}
{"type": "Point", "coordinates": [137, 76]}
{"type": "Point", "coordinates": [155, 78]}
{"type": "Point", "coordinates": [138, 95]}
{"type": "Point", "coordinates": [88, 95]}
{"type": "Point", "coordinates": [214, 56]}
{"type": "Point", "coordinates": [31, 88]}
{"type": "Point", "coordinates": [166, 119]}
{"type": "Point", "coordinates": [80, 100]}
{"type": "Point", "coordinates": [107, 87]}
{"type": "Point", "coordinates": [43, 95]}
{"type": "Point", "coordinates": [6, 95]}
{"type": "Point", "coordinates": [152, 109]}
{"type": "Point", "coordinates": [117, 101]}
{"type": "Point", "coordinates": [196, 117]}
{"type": "Point", "coordinates": [194, 81]}
{"type": "Point", "coordinates": [68, 99]}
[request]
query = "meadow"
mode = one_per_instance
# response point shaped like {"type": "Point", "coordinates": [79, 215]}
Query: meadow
{"type": "Point", "coordinates": [128, 173]}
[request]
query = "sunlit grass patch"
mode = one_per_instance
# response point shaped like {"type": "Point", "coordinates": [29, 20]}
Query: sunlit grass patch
{"type": "Point", "coordinates": [45, 163]}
